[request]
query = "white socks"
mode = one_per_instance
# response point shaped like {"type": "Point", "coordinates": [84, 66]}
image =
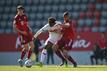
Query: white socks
{"type": "Point", "coordinates": [43, 55]}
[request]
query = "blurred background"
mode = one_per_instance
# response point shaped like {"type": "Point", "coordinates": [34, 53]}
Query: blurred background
{"type": "Point", "coordinates": [89, 18]}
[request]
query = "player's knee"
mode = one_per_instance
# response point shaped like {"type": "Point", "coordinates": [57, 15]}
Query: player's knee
{"type": "Point", "coordinates": [25, 49]}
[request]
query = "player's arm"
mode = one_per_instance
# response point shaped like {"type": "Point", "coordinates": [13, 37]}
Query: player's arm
{"type": "Point", "coordinates": [38, 33]}
{"type": "Point", "coordinates": [56, 27]}
{"type": "Point", "coordinates": [43, 29]}
{"type": "Point", "coordinates": [18, 30]}
{"type": "Point", "coordinates": [67, 25]}
{"type": "Point", "coordinates": [29, 27]}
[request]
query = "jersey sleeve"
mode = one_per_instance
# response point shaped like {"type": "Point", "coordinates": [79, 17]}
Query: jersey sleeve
{"type": "Point", "coordinates": [58, 22]}
{"type": "Point", "coordinates": [26, 18]}
{"type": "Point", "coordinates": [16, 18]}
{"type": "Point", "coordinates": [43, 29]}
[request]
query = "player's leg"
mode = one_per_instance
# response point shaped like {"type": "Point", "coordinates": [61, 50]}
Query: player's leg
{"type": "Point", "coordinates": [52, 57]}
{"type": "Point", "coordinates": [59, 47]}
{"type": "Point", "coordinates": [36, 52]}
{"type": "Point", "coordinates": [68, 57]}
{"type": "Point", "coordinates": [64, 61]}
{"type": "Point", "coordinates": [23, 53]}
{"type": "Point", "coordinates": [72, 60]}
{"type": "Point", "coordinates": [60, 56]}
{"type": "Point", "coordinates": [96, 60]}
{"type": "Point", "coordinates": [67, 47]}
{"type": "Point", "coordinates": [48, 57]}
{"type": "Point", "coordinates": [44, 53]}
{"type": "Point", "coordinates": [42, 57]}
{"type": "Point", "coordinates": [30, 49]}
{"type": "Point", "coordinates": [91, 59]}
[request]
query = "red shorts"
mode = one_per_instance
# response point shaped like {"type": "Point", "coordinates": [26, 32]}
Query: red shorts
{"type": "Point", "coordinates": [26, 39]}
{"type": "Point", "coordinates": [65, 43]}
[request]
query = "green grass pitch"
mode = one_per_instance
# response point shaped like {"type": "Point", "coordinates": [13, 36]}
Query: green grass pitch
{"type": "Point", "coordinates": [55, 68]}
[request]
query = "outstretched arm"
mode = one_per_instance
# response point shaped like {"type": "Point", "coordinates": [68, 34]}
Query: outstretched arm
{"type": "Point", "coordinates": [43, 29]}
{"type": "Point", "coordinates": [66, 25]}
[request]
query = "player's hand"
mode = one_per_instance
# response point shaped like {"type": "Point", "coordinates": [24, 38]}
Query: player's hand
{"type": "Point", "coordinates": [24, 33]}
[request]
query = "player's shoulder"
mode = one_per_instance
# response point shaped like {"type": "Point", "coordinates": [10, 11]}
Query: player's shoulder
{"type": "Point", "coordinates": [25, 15]}
{"type": "Point", "coordinates": [46, 25]}
{"type": "Point", "coordinates": [70, 21]}
{"type": "Point", "coordinates": [58, 22]}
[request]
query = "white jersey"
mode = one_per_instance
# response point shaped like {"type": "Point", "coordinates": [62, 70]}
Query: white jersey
{"type": "Point", "coordinates": [53, 36]}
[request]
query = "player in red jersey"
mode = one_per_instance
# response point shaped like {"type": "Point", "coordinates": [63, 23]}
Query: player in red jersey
{"type": "Point", "coordinates": [20, 24]}
{"type": "Point", "coordinates": [67, 39]}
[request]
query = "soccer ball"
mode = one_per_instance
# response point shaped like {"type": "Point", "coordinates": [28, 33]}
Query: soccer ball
{"type": "Point", "coordinates": [28, 63]}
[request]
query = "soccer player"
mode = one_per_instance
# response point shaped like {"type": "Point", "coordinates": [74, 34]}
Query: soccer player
{"type": "Point", "coordinates": [67, 38]}
{"type": "Point", "coordinates": [53, 36]}
{"type": "Point", "coordinates": [37, 44]}
{"type": "Point", "coordinates": [20, 24]}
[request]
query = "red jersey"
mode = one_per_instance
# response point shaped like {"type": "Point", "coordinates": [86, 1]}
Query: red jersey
{"type": "Point", "coordinates": [21, 22]}
{"type": "Point", "coordinates": [103, 42]}
{"type": "Point", "coordinates": [69, 32]}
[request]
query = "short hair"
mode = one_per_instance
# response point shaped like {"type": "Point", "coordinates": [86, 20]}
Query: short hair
{"type": "Point", "coordinates": [66, 13]}
{"type": "Point", "coordinates": [20, 7]}
{"type": "Point", "coordinates": [51, 19]}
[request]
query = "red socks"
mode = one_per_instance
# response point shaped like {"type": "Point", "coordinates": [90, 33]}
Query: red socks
{"type": "Point", "coordinates": [29, 53]}
{"type": "Point", "coordinates": [23, 53]}
{"type": "Point", "coordinates": [71, 59]}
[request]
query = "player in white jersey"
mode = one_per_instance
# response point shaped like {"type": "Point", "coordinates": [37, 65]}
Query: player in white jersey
{"type": "Point", "coordinates": [54, 36]}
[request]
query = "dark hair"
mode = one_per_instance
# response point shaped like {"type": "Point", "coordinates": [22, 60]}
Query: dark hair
{"type": "Point", "coordinates": [20, 7]}
{"type": "Point", "coordinates": [66, 13]}
{"type": "Point", "coordinates": [51, 21]}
